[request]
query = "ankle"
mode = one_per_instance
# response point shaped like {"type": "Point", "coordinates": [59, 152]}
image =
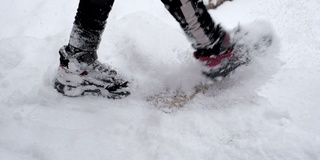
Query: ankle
{"type": "Point", "coordinates": [69, 52]}
{"type": "Point", "coordinates": [219, 48]}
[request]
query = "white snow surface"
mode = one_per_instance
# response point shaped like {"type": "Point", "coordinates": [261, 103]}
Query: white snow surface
{"type": "Point", "coordinates": [268, 110]}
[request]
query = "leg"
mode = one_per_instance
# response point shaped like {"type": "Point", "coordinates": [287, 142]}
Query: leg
{"type": "Point", "coordinates": [212, 43]}
{"type": "Point", "coordinates": [198, 25]}
{"type": "Point", "coordinates": [80, 73]}
{"type": "Point", "coordinates": [89, 24]}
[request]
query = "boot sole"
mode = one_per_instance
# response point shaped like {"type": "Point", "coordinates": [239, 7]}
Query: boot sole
{"type": "Point", "coordinates": [88, 90]}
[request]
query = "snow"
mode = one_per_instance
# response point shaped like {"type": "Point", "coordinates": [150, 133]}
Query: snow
{"type": "Point", "coordinates": [267, 110]}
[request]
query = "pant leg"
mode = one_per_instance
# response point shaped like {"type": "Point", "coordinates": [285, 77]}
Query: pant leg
{"type": "Point", "coordinates": [89, 24]}
{"type": "Point", "coordinates": [196, 22]}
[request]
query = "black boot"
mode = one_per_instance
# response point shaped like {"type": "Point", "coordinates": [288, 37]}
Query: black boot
{"type": "Point", "coordinates": [80, 73]}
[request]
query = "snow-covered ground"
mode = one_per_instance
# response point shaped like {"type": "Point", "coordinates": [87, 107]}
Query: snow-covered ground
{"type": "Point", "coordinates": [267, 110]}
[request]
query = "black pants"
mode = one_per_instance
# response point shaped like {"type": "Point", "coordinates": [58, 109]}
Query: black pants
{"type": "Point", "coordinates": [192, 16]}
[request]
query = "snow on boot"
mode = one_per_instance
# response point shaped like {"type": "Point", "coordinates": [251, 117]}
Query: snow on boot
{"type": "Point", "coordinates": [80, 74]}
{"type": "Point", "coordinates": [221, 59]}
